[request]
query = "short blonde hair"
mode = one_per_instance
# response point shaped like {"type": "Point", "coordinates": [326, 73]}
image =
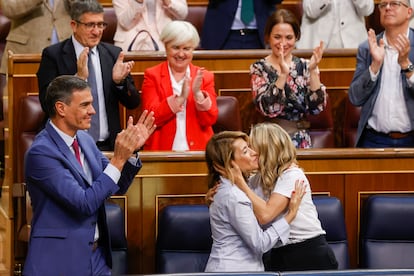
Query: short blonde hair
{"type": "Point", "coordinates": [178, 32]}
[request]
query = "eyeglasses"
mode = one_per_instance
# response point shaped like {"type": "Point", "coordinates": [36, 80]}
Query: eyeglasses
{"type": "Point", "coordinates": [91, 25]}
{"type": "Point", "coordinates": [393, 5]}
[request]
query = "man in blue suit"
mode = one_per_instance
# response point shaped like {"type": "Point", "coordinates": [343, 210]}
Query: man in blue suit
{"type": "Point", "coordinates": [69, 179]}
{"type": "Point", "coordinates": [114, 84]}
{"type": "Point", "coordinates": [383, 82]}
{"type": "Point", "coordinates": [224, 27]}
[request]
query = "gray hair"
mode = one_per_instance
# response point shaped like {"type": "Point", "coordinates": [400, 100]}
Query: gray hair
{"type": "Point", "coordinates": [179, 32]}
{"type": "Point", "coordinates": [80, 7]}
{"type": "Point", "coordinates": [60, 90]}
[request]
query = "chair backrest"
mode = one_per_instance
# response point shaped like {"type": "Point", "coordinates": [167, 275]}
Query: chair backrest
{"type": "Point", "coordinates": [184, 239]}
{"type": "Point", "coordinates": [387, 232]}
{"type": "Point", "coordinates": [30, 122]}
{"type": "Point", "coordinates": [351, 120]}
{"type": "Point", "coordinates": [331, 215]}
{"type": "Point", "coordinates": [111, 19]}
{"type": "Point", "coordinates": [116, 226]}
{"type": "Point", "coordinates": [322, 128]}
{"type": "Point", "coordinates": [228, 114]}
{"type": "Point", "coordinates": [196, 15]}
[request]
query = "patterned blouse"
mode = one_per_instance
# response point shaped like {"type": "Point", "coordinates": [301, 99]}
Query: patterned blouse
{"type": "Point", "coordinates": [292, 103]}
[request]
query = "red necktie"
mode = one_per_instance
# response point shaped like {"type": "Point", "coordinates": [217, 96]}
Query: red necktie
{"type": "Point", "coordinates": [75, 146]}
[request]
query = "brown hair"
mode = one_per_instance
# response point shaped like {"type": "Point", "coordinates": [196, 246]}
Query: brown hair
{"type": "Point", "coordinates": [220, 152]}
{"type": "Point", "coordinates": [278, 17]}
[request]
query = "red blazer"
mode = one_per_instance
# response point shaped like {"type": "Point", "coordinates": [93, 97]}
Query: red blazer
{"type": "Point", "coordinates": [156, 88]}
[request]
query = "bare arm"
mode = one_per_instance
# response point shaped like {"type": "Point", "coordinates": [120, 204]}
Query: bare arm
{"type": "Point", "coordinates": [265, 211]}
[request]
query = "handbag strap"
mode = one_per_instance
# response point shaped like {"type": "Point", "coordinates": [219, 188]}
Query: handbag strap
{"type": "Point", "coordinates": [154, 43]}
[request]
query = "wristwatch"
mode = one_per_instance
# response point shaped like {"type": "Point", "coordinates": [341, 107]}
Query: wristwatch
{"type": "Point", "coordinates": [410, 68]}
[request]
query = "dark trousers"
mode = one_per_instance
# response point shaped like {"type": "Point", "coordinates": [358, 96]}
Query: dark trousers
{"type": "Point", "coordinates": [312, 254]}
{"type": "Point", "coordinates": [243, 40]}
{"type": "Point", "coordinates": [372, 139]}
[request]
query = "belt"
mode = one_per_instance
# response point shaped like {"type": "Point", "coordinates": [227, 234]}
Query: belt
{"type": "Point", "coordinates": [290, 126]}
{"type": "Point", "coordinates": [392, 134]}
{"type": "Point", "coordinates": [245, 31]}
{"type": "Point", "coordinates": [95, 246]}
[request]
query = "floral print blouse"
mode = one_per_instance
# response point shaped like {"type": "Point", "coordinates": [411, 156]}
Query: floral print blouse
{"type": "Point", "coordinates": [292, 103]}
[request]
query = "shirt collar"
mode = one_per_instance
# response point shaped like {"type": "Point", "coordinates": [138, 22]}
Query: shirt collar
{"type": "Point", "coordinates": [79, 47]}
{"type": "Point", "coordinates": [66, 138]}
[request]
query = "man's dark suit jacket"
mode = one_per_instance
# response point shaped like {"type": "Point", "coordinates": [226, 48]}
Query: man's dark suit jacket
{"type": "Point", "coordinates": [220, 16]}
{"type": "Point", "coordinates": [60, 59]}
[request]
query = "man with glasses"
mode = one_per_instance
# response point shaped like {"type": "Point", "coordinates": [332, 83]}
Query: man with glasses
{"type": "Point", "coordinates": [383, 83]}
{"type": "Point", "coordinates": [101, 64]}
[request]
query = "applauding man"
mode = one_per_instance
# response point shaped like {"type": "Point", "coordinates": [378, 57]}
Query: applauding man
{"type": "Point", "coordinates": [69, 179]}
{"type": "Point", "coordinates": [85, 56]}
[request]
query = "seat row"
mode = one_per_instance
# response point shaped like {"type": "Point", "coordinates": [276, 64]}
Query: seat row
{"type": "Point", "coordinates": [349, 272]}
{"type": "Point", "coordinates": [386, 238]}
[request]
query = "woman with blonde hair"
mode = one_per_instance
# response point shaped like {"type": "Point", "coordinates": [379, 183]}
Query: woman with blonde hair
{"type": "Point", "coordinates": [270, 190]}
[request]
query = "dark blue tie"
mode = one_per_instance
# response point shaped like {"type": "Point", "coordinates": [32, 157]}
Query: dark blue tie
{"type": "Point", "coordinates": [94, 130]}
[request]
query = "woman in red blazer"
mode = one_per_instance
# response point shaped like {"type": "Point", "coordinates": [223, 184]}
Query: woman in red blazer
{"type": "Point", "coordinates": [181, 94]}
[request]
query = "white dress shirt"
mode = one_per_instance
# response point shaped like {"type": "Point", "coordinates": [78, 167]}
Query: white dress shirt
{"type": "Point", "coordinates": [180, 139]}
{"type": "Point", "coordinates": [386, 117]}
{"type": "Point", "coordinates": [103, 119]}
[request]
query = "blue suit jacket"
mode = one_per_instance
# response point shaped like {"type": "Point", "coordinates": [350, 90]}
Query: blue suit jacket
{"type": "Point", "coordinates": [220, 16]}
{"type": "Point", "coordinates": [364, 92]}
{"type": "Point", "coordinates": [66, 207]}
{"type": "Point", "coordinates": [60, 59]}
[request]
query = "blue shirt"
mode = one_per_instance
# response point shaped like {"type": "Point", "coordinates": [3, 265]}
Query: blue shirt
{"type": "Point", "coordinates": [238, 240]}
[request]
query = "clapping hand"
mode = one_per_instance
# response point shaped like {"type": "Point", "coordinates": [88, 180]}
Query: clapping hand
{"type": "Point", "coordinates": [121, 69]}
{"type": "Point", "coordinates": [196, 85]}
{"type": "Point", "coordinates": [145, 126]}
{"type": "Point", "coordinates": [198, 80]}
{"type": "Point", "coordinates": [132, 138]}
{"type": "Point", "coordinates": [82, 64]}
{"type": "Point", "coordinates": [316, 56]}
{"type": "Point", "coordinates": [284, 66]}
{"type": "Point", "coordinates": [377, 51]}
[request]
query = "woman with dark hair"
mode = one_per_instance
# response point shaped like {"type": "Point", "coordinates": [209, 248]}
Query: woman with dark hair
{"type": "Point", "coordinates": [286, 88]}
